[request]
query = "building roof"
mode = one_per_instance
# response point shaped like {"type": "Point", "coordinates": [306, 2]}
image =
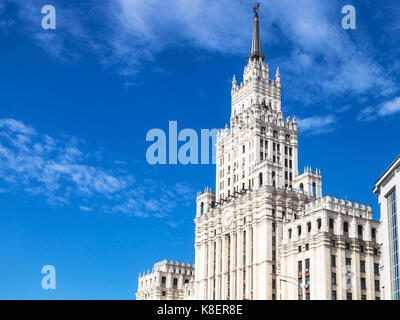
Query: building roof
{"type": "Point", "coordinates": [386, 173]}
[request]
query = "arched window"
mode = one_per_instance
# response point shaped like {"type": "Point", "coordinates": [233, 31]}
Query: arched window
{"type": "Point", "coordinates": [314, 189]}
{"type": "Point", "coordinates": [299, 230]}
{"type": "Point", "coordinates": [202, 207]}
{"type": "Point", "coordinates": [163, 282]}
{"type": "Point", "coordinates": [309, 226]}
{"type": "Point", "coordinates": [260, 179]}
{"type": "Point", "coordinates": [175, 283]}
{"type": "Point", "coordinates": [290, 233]}
{"type": "Point", "coordinates": [319, 223]}
{"type": "Point", "coordinates": [301, 187]}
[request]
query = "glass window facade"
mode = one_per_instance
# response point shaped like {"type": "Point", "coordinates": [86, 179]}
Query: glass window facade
{"type": "Point", "coordinates": [394, 247]}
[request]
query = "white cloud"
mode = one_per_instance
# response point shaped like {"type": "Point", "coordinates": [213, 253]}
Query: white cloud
{"type": "Point", "coordinates": [320, 58]}
{"type": "Point", "coordinates": [386, 109]}
{"type": "Point", "coordinates": [317, 125]}
{"type": "Point", "coordinates": [63, 172]}
{"type": "Point", "coordinates": [84, 208]}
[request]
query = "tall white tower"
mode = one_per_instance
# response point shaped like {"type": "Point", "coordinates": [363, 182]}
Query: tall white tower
{"type": "Point", "coordinates": [260, 147]}
{"type": "Point", "coordinates": [257, 188]}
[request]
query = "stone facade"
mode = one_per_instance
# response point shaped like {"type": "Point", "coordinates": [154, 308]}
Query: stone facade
{"type": "Point", "coordinates": [241, 243]}
{"type": "Point", "coordinates": [168, 280]}
{"type": "Point", "coordinates": [267, 232]}
{"type": "Point", "coordinates": [331, 252]}
{"type": "Point", "coordinates": [387, 189]}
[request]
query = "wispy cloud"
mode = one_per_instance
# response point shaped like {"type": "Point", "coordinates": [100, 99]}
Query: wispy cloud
{"type": "Point", "coordinates": [386, 109]}
{"type": "Point", "coordinates": [63, 172]}
{"type": "Point", "coordinates": [317, 125]}
{"type": "Point", "coordinates": [126, 35]}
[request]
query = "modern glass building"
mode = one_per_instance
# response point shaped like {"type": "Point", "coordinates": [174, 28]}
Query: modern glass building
{"type": "Point", "coordinates": [387, 188]}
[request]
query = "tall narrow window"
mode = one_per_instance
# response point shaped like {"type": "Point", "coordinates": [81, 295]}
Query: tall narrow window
{"type": "Point", "coordinates": [394, 249]}
{"type": "Point", "coordinates": [331, 224]}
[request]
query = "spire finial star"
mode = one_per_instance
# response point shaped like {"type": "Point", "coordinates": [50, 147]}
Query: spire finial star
{"type": "Point", "coordinates": [256, 8]}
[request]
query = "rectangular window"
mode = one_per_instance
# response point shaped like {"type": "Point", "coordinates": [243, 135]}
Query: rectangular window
{"type": "Point", "coordinates": [332, 243]}
{"type": "Point", "coordinates": [307, 264]}
{"type": "Point", "coordinates": [348, 262]}
{"type": "Point", "coordinates": [347, 246]}
{"type": "Point", "coordinates": [333, 278]}
{"type": "Point", "coordinates": [333, 261]}
{"type": "Point", "coordinates": [377, 287]}
{"type": "Point", "coordinates": [331, 223]}
{"type": "Point", "coordinates": [376, 268]}
{"type": "Point", "coordinates": [363, 297]}
{"type": "Point", "coordinates": [333, 295]}
{"type": "Point", "coordinates": [349, 296]}
{"type": "Point", "coordinates": [362, 266]}
{"type": "Point", "coordinates": [363, 285]}
{"type": "Point", "coordinates": [299, 266]}
{"type": "Point", "coordinates": [393, 246]}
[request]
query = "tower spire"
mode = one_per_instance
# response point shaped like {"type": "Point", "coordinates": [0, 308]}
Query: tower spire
{"type": "Point", "coordinates": [256, 43]}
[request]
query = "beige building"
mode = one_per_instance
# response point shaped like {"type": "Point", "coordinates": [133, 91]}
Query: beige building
{"type": "Point", "coordinates": [330, 252]}
{"type": "Point", "coordinates": [387, 190]}
{"type": "Point", "coordinates": [267, 232]}
{"type": "Point", "coordinates": [168, 280]}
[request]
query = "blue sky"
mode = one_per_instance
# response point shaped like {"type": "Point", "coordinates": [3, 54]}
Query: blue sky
{"type": "Point", "coordinates": [76, 104]}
